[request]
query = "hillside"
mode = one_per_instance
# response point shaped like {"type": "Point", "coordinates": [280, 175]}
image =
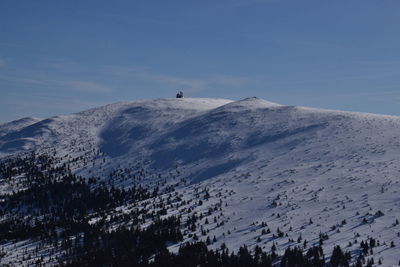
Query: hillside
{"type": "Point", "coordinates": [16, 125]}
{"type": "Point", "coordinates": [251, 171]}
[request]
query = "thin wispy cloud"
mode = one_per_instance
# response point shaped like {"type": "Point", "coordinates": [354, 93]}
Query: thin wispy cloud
{"type": "Point", "coordinates": [3, 63]}
{"type": "Point", "coordinates": [378, 93]}
{"type": "Point", "coordinates": [56, 84]}
{"type": "Point", "coordinates": [227, 80]}
{"type": "Point", "coordinates": [123, 71]}
{"type": "Point", "coordinates": [82, 86]}
{"type": "Point", "coordinates": [7, 44]}
{"type": "Point", "coordinates": [54, 105]}
{"type": "Point", "coordinates": [240, 3]}
{"type": "Point", "coordinates": [21, 80]}
{"type": "Point", "coordinates": [191, 84]}
{"type": "Point", "coordinates": [127, 75]}
{"type": "Point", "coordinates": [60, 64]}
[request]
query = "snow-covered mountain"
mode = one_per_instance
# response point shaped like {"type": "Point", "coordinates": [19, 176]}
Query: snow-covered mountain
{"type": "Point", "coordinates": [301, 170]}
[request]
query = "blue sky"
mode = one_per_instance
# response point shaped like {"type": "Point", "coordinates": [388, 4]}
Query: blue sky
{"type": "Point", "coordinates": [59, 57]}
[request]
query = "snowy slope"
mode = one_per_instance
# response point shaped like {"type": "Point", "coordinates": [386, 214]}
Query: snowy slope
{"type": "Point", "coordinates": [17, 125]}
{"type": "Point", "coordinates": [84, 130]}
{"type": "Point", "coordinates": [305, 171]}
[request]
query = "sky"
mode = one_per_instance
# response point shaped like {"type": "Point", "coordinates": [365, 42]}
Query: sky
{"type": "Point", "coordinates": [63, 56]}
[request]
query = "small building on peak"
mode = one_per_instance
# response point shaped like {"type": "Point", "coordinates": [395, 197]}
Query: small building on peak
{"type": "Point", "coordinates": [179, 94]}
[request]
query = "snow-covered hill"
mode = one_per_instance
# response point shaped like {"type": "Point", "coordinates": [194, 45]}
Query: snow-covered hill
{"type": "Point", "coordinates": [301, 170]}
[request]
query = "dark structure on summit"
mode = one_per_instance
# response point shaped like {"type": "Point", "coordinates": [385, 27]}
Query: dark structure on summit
{"type": "Point", "coordinates": [179, 94]}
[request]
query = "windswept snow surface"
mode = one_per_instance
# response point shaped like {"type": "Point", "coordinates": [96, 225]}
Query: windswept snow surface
{"type": "Point", "coordinates": [17, 125]}
{"type": "Point", "coordinates": [305, 171]}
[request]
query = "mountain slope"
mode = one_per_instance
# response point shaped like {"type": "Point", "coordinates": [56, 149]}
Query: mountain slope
{"type": "Point", "coordinates": [17, 125]}
{"type": "Point", "coordinates": [303, 171]}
